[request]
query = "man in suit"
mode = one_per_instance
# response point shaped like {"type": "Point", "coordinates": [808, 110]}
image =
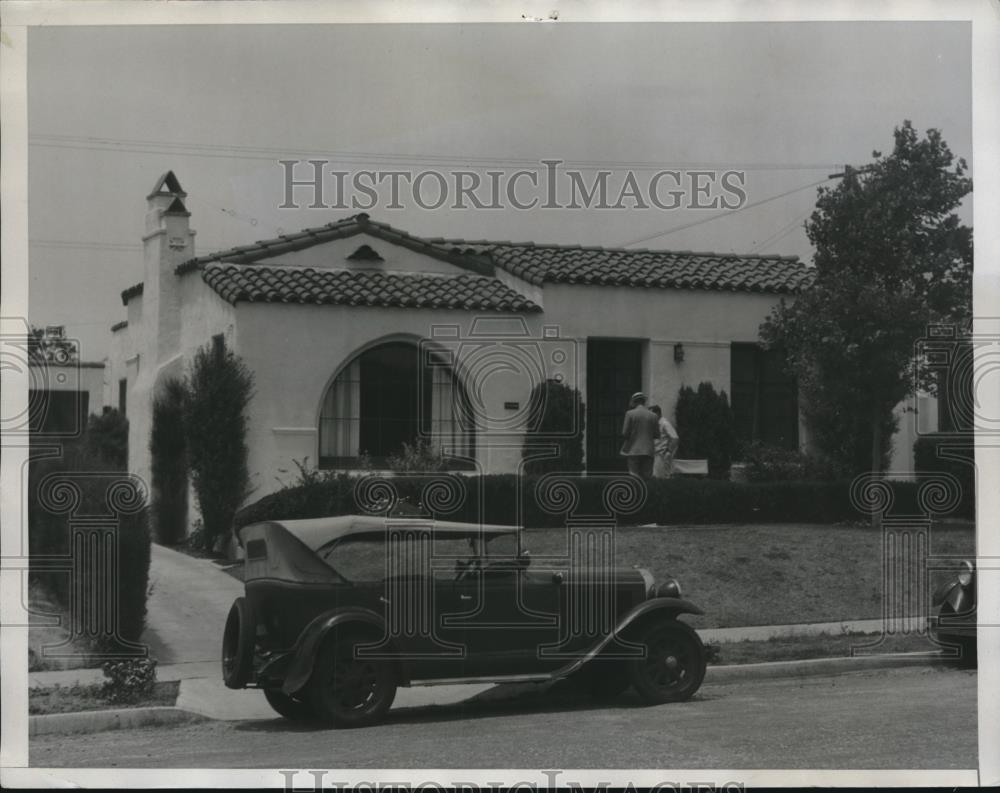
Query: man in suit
{"type": "Point", "coordinates": [639, 434]}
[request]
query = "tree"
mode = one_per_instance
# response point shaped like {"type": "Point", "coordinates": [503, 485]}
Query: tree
{"type": "Point", "coordinates": [50, 345]}
{"type": "Point", "coordinates": [556, 412]}
{"type": "Point", "coordinates": [169, 465]}
{"type": "Point", "coordinates": [891, 257]}
{"type": "Point", "coordinates": [219, 387]}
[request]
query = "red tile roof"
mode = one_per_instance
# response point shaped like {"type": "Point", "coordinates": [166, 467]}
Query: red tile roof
{"type": "Point", "coordinates": [257, 283]}
{"type": "Point", "coordinates": [540, 264]}
{"type": "Point", "coordinates": [535, 263]}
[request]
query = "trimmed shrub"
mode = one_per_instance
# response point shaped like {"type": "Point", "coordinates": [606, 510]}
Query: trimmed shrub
{"type": "Point", "coordinates": [558, 419]}
{"type": "Point", "coordinates": [169, 468]}
{"type": "Point", "coordinates": [706, 428]}
{"type": "Point", "coordinates": [106, 438]}
{"type": "Point", "coordinates": [668, 501]}
{"type": "Point", "coordinates": [956, 456]}
{"type": "Point", "coordinates": [768, 463]}
{"type": "Point", "coordinates": [60, 492]}
{"type": "Point", "coordinates": [219, 386]}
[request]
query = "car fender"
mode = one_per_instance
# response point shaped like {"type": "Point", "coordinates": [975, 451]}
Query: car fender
{"type": "Point", "coordinates": [312, 636]}
{"type": "Point", "coordinates": [668, 607]}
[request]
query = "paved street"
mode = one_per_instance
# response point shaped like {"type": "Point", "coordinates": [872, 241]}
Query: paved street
{"type": "Point", "coordinates": [907, 718]}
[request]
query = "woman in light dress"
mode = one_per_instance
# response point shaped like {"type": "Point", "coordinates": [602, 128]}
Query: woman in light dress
{"type": "Point", "coordinates": [665, 446]}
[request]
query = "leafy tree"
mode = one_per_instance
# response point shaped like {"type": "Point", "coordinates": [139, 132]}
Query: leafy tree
{"type": "Point", "coordinates": [556, 411]}
{"type": "Point", "coordinates": [706, 429]}
{"type": "Point", "coordinates": [50, 345]}
{"type": "Point", "coordinates": [891, 257]}
{"type": "Point", "coordinates": [219, 387]}
{"type": "Point", "coordinates": [107, 438]}
{"type": "Point", "coordinates": [169, 465]}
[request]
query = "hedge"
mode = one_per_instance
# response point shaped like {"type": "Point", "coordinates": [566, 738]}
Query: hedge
{"type": "Point", "coordinates": [63, 493]}
{"type": "Point", "coordinates": [667, 501]}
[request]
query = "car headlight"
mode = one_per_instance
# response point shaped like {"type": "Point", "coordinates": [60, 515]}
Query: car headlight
{"type": "Point", "coordinates": [669, 588]}
{"type": "Point", "coordinates": [965, 575]}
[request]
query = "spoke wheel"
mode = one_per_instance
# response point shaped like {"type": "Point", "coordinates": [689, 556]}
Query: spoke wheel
{"type": "Point", "coordinates": [674, 666]}
{"type": "Point", "coordinates": [289, 707]}
{"type": "Point", "coordinates": [348, 691]}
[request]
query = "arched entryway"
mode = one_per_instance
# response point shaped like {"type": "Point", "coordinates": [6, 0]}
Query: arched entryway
{"type": "Point", "coordinates": [390, 394]}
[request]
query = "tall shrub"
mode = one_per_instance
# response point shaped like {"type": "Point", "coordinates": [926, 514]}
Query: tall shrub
{"type": "Point", "coordinates": [557, 419]}
{"type": "Point", "coordinates": [107, 439]}
{"type": "Point", "coordinates": [706, 429]}
{"type": "Point", "coordinates": [62, 493]}
{"type": "Point", "coordinates": [219, 387]}
{"type": "Point", "coordinates": [169, 465]}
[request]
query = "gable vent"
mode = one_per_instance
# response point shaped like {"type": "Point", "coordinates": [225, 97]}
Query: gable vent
{"type": "Point", "coordinates": [365, 254]}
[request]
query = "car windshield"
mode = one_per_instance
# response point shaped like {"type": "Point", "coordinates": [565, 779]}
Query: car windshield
{"type": "Point", "coordinates": [376, 557]}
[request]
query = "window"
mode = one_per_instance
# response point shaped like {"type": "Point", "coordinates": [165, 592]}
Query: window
{"type": "Point", "coordinates": [764, 397]}
{"type": "Point", "coordinates": [122, 395]}
{"type": "Point", "coordinates": [401, 553]}
{"type": "Point", "coordinates": [386, 397]}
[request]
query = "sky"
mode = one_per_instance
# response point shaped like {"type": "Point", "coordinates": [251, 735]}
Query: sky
{"type": "Point", "coordinates": [110, 109]}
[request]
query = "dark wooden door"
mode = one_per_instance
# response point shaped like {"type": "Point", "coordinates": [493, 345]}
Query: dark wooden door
{"type": "Point", "coordinates": [614, 373]}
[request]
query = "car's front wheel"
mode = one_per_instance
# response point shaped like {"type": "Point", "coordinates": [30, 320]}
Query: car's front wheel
{"type": "Point", "coordinates": [347, 690]}
{"type": "Point", "coordinates": [674, 663]}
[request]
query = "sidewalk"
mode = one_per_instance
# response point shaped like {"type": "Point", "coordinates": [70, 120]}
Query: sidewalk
{"type": "Point", "coordinates": [187, 608]}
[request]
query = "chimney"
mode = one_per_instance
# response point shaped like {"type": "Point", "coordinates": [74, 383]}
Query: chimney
{"type": "Point", "coordinates": [168, 241]}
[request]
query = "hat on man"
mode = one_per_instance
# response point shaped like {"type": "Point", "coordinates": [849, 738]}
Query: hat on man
{"type": "Point", "coordinates": [638, 395]}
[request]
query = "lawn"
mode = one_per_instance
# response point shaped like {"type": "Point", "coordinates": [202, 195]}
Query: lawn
{"type": "Point", "coordinates": [768, 574]}
{"type": "Point", "coordinates": [823, 646]}
{"type": "Point", "coordinates": [70, 699]}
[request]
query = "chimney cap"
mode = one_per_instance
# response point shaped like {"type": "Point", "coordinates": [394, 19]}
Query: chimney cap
{"type": "Point", "coordinates": [167, 184]}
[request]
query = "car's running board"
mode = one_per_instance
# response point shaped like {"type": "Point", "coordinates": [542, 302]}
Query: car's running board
{"type": "Point", "coordinates": [461, 681]}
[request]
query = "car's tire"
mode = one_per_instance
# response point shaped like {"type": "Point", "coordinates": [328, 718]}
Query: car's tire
{"type": "Point", "coordinates": [674, 664]}
{"type": "Point", "coordinates": [289, 707]}
{"type": "Point", "coordinates": [346, 691]}
{"type": "Point", "coordinates": [238, 641]}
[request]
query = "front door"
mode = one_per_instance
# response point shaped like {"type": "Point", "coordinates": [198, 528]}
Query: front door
{"type": "Point", "coordinates": [614, 373]}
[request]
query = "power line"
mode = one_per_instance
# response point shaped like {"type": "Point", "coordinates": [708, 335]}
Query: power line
{"type": "Point", "coordinates": [234, 151]}
{"type": "Point", "coordinates": [725, 214]}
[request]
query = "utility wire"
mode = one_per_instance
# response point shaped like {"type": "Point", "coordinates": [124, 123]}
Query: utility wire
{"type": "Point", "coordinates": [730, 213]}
{"type": "Point", "coordinates": [227, 151]}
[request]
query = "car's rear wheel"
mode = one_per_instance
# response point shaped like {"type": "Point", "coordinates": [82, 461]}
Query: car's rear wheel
{"type": "Point", "coordinates": [674, 663]}
{"type": "Point", "coordinates": [238, 640]}
{"type": "Point", "coordinates": [347, 690]}
{"type": "Point", "coordinates": [289, 707]}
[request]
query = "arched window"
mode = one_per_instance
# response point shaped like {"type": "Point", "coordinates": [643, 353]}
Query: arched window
{"type": "Point", "coordinates": [387, 396]}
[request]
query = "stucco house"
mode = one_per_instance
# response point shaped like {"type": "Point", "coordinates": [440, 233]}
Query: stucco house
{"type": "Point", "coordinates": [361, 336]}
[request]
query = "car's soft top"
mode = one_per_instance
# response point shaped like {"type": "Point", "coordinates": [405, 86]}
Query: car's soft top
{"type": "Point", "coordinates": [315, 533]}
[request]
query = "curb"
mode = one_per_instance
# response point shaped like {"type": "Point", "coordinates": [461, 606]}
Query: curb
{"type": "Point", "coordinates": [102, 720]}
{"type": "Point", "coordinates": [812, 667]}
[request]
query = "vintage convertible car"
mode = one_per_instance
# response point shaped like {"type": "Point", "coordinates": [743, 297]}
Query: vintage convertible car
{"type": "Point", "coordinates": [340, 611]}
{"type": "Point", "coordinates": [954, 624]}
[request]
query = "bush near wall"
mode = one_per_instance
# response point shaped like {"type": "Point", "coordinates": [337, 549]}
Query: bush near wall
{"type": "Point", "coordinates": [168, 466]}
{"type": "Point", "coordinates": [927, 460]}
{"type": "Point", "coordinates": [49, 532]}
{"type": "Point", "coordinates": [668, 501]}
